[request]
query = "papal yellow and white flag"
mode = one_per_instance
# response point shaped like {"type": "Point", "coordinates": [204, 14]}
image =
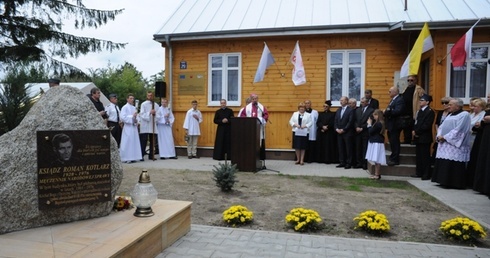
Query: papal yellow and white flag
{"type": "Point", "coordinates": [423, 44]}
{"type": "Point", "coordinates": [299, 76]}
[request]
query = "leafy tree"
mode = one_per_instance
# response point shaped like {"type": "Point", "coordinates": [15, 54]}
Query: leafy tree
{"type": "Point", "coordinates": [16, 96]}
{"type": "Point", "coordinates": [31, 30]}
{"type": "Point", "coordinates": [121, 80]}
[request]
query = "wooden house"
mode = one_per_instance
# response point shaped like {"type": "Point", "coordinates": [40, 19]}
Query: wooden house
{"type": "Point", "coordinates": [213, 48]}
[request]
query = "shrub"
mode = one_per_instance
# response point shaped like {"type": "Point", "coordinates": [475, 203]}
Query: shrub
{"type": "Point", "coordinates": [303, 220]}
{"type": "Point", "coordinates": [224, 176]}
{"type": "Point", "coordinates": [372, 222]}
{"type": "Point", "coordinates": [237, 215]}
{"type": "Point", "coordinates": [462, 229]}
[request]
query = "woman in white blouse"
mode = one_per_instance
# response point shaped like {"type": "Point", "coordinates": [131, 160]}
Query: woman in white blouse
{"type": "Point", "coordinates": [477, 107]}
{"type": "Point", "coordinates": [301, 122]}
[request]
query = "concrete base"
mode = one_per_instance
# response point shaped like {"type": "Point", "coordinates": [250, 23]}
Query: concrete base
{"type": "Point", "coordinates": [118, 235]}
{"type": "Point", "coordinates": [276, 154]}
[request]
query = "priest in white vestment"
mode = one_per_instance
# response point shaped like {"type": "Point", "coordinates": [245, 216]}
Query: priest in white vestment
{"type": "Point", "coordinates": [453, 149]}
{"type": "Point", "coordinates": [130, 149]}
{"type": "Point", "coordinates": [165, 121]}
{"type": "Point", "coordinates": [148, 130]}
{"type": "Point", "coordinates": [256, 109]}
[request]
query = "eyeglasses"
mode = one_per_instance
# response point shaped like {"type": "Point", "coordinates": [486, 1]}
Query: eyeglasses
{"type": "Point", "coordinates": [409, 80]}
{"type": "Point", "coordinates": [444, 102]}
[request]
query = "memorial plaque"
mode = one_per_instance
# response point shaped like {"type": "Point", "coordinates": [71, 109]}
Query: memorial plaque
{"type": "Point", "coordinates": [74, 167]}
{"type": "Point", "coordinates": [192, 83]}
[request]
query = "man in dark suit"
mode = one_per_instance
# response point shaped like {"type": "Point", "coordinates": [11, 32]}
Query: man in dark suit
{"type": "Point", "coordinates": [344, 125]}
{"type": "Point", "coordinates": [372, 103]}
{"type": "Point", "coordinates": [422, 135]}
{"type": "Point", "coordinates": [392, 114]}
{"type": "Point", "coordinates": [362, 135]}
{"type": "Point", "coordinates": [352, 103]}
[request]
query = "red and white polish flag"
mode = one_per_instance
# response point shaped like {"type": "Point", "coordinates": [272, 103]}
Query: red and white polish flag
{"type": "Point", "coordinates": [461, 51]}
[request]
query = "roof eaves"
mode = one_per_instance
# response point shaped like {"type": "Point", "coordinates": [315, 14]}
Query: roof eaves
{"type": "Point", "coordinates": [441, 25]}
{"type": "Point", "coordinates": [273, 32]}
{"type": "Point", "coordinates": [319, 30]}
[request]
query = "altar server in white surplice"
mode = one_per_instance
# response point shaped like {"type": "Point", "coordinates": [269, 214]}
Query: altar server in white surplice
{"type": "Point", "coordinates": [165, 121]}
{"type": "Point", "coordinates": [130, 142]}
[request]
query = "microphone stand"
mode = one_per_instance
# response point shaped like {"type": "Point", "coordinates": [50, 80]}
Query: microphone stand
{"type": "Point", "coordinates": [153, 130]}
{"type": "Point", "coordinates": [263, 137]}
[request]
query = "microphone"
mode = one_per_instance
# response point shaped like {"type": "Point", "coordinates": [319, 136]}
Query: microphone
{"type": "Point", "coordinates": [262, 120]}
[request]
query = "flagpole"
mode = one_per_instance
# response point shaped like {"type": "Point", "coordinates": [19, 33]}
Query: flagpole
{"type": "Point", "coordinates": [283, 75]}
{"type": "Point", "coordinates": [444, 58]}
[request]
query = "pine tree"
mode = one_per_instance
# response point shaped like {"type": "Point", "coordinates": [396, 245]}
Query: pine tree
{"type": "Point", "coordinates": [31, 31]}
{"type": "Point", "coordinates": [16, 96]}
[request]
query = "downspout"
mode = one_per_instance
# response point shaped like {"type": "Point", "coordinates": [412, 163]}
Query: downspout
{"type": "Point", "coordinates": [170, 72]}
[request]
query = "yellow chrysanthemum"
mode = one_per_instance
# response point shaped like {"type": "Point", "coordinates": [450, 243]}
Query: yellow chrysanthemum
{"type": "Point", "coordinates": [237, 214]}
{"type": "Point", "coordinates": [462, 229]}
{"type": "Point", "coordinates": [302, 219]}
{"type": "Point", "coordinates": [372, 221]}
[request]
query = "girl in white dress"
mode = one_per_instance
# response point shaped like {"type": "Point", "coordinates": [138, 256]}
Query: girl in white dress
{"type": "Point", "coordinates": [376, 147]}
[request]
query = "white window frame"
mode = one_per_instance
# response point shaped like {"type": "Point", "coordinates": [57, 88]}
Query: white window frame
{"type": "Point", "coordinates": [224, 79]}
{"type": "Point", "coordinates": [345, 75]}
{"type": "Point", "coordinates": [467, 98]}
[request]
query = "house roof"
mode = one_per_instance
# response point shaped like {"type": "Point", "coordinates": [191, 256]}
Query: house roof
{"type": "Point", "coordinates": [208, 19]}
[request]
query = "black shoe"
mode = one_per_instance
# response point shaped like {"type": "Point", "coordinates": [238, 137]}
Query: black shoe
{"type": "Point", "coordinates": [190, 157]}
{"type": "Point", "coordinates": [195, 157]}
{"type": "Point", "coordinates": [393, 163]}
{"type": "Point", "coordinates": [162, 158]}
{"type": "Point", "coordinates": [416, 176]}
{"type": "Point", "coordinates": [340, 166]}
{"type": "Point", "coordinates": [425, 178]}
{"type": "Point", "coordinates": [173, 157]}
{"type": "Point", "coordinates": [358, 166]}
{"type": "Point", "coordinates": [364, 167]}
{"type": "Point", "coordinates": [347, 167]}
{"type": "Point", "coordinates": [142, 159]}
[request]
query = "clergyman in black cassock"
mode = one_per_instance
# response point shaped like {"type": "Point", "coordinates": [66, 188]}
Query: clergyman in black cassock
{"type": "Point", "coordinates": [222, 143]}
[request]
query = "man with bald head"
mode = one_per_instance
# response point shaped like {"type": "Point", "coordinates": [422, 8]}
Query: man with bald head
{"type": "Point", "coordinates": [393, 114]}
{"type": "Point", "coordinates": [256, 109]}
{"type": "Point", "coordinates": [344, 126]}
{"type": "Point", "coordinates": [453, 148]}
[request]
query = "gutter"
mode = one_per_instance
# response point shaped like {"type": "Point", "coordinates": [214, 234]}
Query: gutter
{"type": "Point", "coordinates": [271, 32]}
{"type": "Point", "coordinates": [170, 72]}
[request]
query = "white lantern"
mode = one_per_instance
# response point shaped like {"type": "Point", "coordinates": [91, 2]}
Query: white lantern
{"type": "Point", "coordinates": [144, 196]}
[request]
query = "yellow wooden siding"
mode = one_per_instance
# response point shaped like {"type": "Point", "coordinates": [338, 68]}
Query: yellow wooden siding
{"type": "Point", "coordinates": [385, 53]}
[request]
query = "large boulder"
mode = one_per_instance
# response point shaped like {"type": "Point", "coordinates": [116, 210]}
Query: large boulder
{"type": "Point", "coordinates": [60, 108]}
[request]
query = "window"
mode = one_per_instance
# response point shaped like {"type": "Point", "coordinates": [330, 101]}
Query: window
{"type": "Point", "coordinates": [466, 83]}
{"type": "Point", "coordinates": [345, 74]}
{"type": "Point", "coordinates": [225, 79]}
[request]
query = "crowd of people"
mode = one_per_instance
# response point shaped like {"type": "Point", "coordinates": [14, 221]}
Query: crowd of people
{"type": "Point", "coordinates": [453, 157]}
{"type": "Point", "coordinates": [135, 127]}
{"type": "Point", "coordinates": [351, 137]}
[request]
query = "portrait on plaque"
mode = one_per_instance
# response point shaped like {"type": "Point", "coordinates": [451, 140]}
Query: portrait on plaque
{"type": "Point", "coordinates": [62, 149]}
{"type": "Point", "coordinates": [74, 167]}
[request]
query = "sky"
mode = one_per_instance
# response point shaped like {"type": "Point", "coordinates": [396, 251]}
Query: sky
{"type": "Point", "coordinates": [135, 26]}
